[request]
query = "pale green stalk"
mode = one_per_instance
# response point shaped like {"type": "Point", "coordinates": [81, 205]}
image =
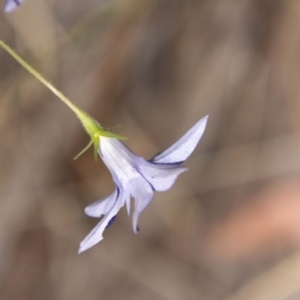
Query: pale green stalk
{"type": "Point", "coordinates": [91, 126]}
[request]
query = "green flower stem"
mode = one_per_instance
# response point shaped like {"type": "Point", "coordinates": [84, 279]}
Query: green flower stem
{"type": "Point", "coordinates": [91, 126]}
{"type": "Point", "coordinates": [42, 79]}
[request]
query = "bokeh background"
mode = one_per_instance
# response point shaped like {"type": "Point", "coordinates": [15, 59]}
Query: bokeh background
{"type": "Point", "coordinates": [230, 227]}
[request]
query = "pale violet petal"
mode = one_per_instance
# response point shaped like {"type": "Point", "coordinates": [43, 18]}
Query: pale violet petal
{"type": "Point", "coordinates": [126, 166]}
{"type": "Point", "coordinates": [11, 5]}
{"type": "Point", "coordinates": [128, 201]}
{"type": "Point", "coordinates": [142, 193]}
{"type": "Point", "coordinates": [161, 176]}
{"type": "Point", "coordinates": [95, 236]}
{"type": "Point", "coordinates": [183, 148]}
{"type": "Point", "coordinates": [101, 207]}
{"type": "Point", "coordinates": [119, 160]}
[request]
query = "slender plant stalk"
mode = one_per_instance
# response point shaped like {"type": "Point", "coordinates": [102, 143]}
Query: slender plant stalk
{"type": "Point", "coordinates": [92, 127]}
{"type": "Point", "coordinates": [41, 78]}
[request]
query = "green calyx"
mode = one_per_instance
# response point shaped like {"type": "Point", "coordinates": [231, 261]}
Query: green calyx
{"type": "Point", "coordinates": [95, 131]}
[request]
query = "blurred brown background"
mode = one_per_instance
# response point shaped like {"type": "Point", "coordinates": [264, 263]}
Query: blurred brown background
{"type": "Point", "coordinates": [230, 227]}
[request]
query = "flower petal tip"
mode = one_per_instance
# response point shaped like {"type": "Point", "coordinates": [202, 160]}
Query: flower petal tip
{"type": "Point", "coordinates": [87, 244]}
{"type": "Point", "coordinates": [202, 122]}
{"type": "Point", "coordinates": [183, 148]}
{"type": "Point", "coordinates": [205, 119]}
{"type": "Point", "coordinates": [81, 249]}
{"type": "Point", "coordinates": [88, 211]}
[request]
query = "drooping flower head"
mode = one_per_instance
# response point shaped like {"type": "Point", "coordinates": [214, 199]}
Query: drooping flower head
{"type": "Point", "coordinates": [134, 177]}
{"type": "Point", "coordinates": [137, 178]}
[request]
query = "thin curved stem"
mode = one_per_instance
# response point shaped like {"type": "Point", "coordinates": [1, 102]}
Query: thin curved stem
{"type": "Point", "coordinates": [41, 78]}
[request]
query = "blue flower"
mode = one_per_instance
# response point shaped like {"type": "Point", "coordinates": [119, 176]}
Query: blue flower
{"type": "Point", "coordinates": [137, 178]}
{"type": "Point", "coordinates": [11, 5]}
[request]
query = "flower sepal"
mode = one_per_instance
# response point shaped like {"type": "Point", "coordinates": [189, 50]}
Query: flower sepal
{"type": "Point", "coordinates": [95, 131]}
